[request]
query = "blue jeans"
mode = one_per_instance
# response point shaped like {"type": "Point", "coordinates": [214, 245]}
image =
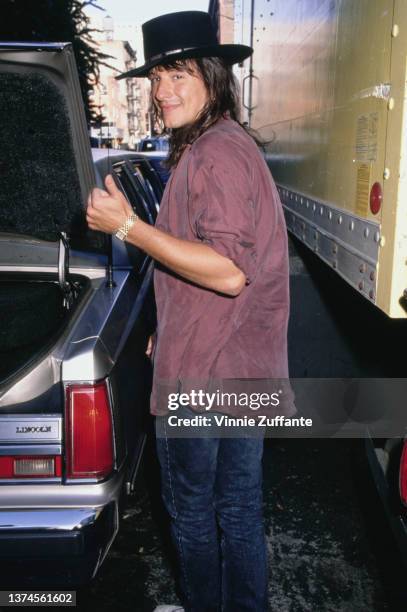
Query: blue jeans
{"type": "Point", "coordinates": [212, 489]}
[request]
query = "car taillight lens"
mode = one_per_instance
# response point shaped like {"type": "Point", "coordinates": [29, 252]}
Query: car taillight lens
{"type": "Point", "coordinates": [30, 466]}
{"type": "Point", "coordinates": [403, 474]}
{"type": "Point", "coordinates": [89, 431]}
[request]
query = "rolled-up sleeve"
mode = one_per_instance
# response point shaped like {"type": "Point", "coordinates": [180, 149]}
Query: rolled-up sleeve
{"type": "Point", "coordinates": [222, 209]}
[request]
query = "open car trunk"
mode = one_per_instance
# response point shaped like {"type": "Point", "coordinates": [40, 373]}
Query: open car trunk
{"type": "Point", "coordinates": [46, 172]}
{"type": "Point", "coordinates": [33, 316]}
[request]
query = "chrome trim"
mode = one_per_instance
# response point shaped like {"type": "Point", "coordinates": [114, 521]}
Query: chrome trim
{"type": "Point", "coordinates": [75, 495]}
{"type": "Point", "coordinates": [108, 545]}
{"type": "Point", "coordinates": [112, 418]}
{"type": "Point", "coordinates": [84, 481]}
{"type": "Point", "coordinates": [49, 520]}
{"type": "Point", "coordinates": [23, 481]}
{"type": "Point", "coordinates": [12, 428]}
{"type": "Point", "coordinates": [56, 46]}
{"type": "Point", "coordinates": [63, 261]}
{"type": "Point", "coordinates": [92, 273]}
{"type": "Point", "coordinates": [31, 449]}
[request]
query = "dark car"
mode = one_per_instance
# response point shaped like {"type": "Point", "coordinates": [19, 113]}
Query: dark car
{"type": "Point", "coordinates": [75, 316]}
{"type": "Point", "coordinates": [156, 148]}
{"type": "Point", "coordinates": [154, 143]}
{"type": "Point", "coordinates": [157, 160]}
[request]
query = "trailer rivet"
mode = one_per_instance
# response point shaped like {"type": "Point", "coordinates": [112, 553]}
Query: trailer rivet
{"type": "Point", "coordinates": [335, 264]}
{"type": "Point", "coordinates": [351, 226]}
{"type": "Point", "coordinates": [362, 268]}
{"type": "Point", "coordinates": [334, 248]}
{"type": "Point", "coordinates": [395, 30]}
{"type": "Point", "coordinates": [366, 232]}
{"type": "Point", "coordinates": [371, 294]}
{"type": "Point", "coordinates": [382, 241]}
{"type": "Point", "coordinates": [321, 210]}
{"type": "Point", "coordinates": [360, 285]}
{"type": "Point", "coordinates": [386, 174]}
{"type": "Point", "coordinates": [390, 104]}
{"type": "Point", "coordinates": [376, 237]}
{"type": "Point", "coordinates": [340, 219]}
{"type": "Point", "coordinates": [330, 215]}
{"type": "Point", "coordinates": [372, 276]}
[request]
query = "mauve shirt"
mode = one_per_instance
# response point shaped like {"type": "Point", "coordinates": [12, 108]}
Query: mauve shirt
{"type": "Point", "coordinates": [221, 193]}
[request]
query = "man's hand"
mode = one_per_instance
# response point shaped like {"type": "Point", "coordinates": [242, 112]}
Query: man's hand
{"type": "Point", "coordinates": [107, 210]}
{"type": "Point", "coordinates": [196, 262]}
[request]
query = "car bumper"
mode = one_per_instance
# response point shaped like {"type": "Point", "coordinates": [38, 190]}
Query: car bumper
{"type": "Point", "coordinates": [71, 534]}
{"type": "Point", "coordinates": [57, 527]}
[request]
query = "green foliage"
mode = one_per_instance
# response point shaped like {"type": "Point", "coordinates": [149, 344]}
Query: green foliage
{"type": "Point", "coordinates": [57, 21]}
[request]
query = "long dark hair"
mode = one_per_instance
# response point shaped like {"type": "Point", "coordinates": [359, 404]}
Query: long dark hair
{"type": "Point", "coordinates": [223, 100]}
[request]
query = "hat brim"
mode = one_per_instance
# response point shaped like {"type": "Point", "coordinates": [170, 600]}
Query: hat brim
{"type": "Point", "coordinates": [232, 54]}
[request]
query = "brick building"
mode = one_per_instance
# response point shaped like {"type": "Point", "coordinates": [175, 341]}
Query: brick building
{"type": "Point", "coordinates": [124, 103]}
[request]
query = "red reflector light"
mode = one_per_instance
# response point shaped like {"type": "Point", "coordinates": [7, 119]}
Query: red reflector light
{"type": "Point", "coordinates": [403, 475]}
{"type": "Point", "coordinates": [20, 466]}
{"type": "Point", "coordinates": [89, 431]}
{"type": "Point", "coordinates": [376, 198]}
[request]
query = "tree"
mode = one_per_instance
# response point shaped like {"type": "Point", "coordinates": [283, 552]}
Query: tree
{"type": "Point", "coordinates": [57, 21]}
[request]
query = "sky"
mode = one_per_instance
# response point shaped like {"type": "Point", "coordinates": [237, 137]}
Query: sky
{"type": "Point", "coordinates": [143, 10]}
{"type": "Point", "coordinates": [128, 15]}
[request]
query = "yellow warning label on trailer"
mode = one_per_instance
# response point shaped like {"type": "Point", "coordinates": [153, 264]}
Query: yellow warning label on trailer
{"type": "Point", "coordinates": [366, 137]}
{"type": "Point", "coordinates": [362, 189]}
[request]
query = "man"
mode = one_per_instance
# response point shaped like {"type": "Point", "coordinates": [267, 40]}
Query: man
{"type": "Point", "coordinates": [221, 285]}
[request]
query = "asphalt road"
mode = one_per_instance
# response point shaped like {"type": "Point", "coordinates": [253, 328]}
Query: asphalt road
{"type": "Point", "coordinates": [321, 524]}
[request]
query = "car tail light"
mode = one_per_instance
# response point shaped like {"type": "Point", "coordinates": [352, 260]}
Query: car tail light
{"type": "Point", "coordinates": [19, 466]}
{"type": "Point", "coordinates": [89, 431]}
{"type": "Point", "coordinates": [403, 474]}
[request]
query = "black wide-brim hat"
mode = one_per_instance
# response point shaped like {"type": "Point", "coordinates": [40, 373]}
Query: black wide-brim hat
{"type": "Point", "coordinates": [183, 35]}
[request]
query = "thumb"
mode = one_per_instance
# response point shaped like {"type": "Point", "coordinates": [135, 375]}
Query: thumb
{"type": "Point", "coordinates": [111, 186]}
{"type": "Point", "coordinates": [100, 193]}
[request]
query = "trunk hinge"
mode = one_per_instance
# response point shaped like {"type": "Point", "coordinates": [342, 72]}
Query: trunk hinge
{"type": "Point", "coordinates": [68, 288]}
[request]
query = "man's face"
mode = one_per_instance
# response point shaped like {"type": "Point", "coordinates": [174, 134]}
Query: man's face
{"type": "Point", "coordinates": [179, 95]}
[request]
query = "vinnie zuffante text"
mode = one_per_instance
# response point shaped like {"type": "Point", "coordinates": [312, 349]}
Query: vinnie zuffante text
{"type": "Point", "coordinates": [223, 420]}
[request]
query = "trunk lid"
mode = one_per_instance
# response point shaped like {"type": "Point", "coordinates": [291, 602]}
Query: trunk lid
{"type": "Point", "coordinates": [46, 169]}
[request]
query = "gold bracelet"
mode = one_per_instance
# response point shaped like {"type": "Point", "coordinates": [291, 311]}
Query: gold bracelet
{"type": "Point", "coordinates": [122, 232]}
